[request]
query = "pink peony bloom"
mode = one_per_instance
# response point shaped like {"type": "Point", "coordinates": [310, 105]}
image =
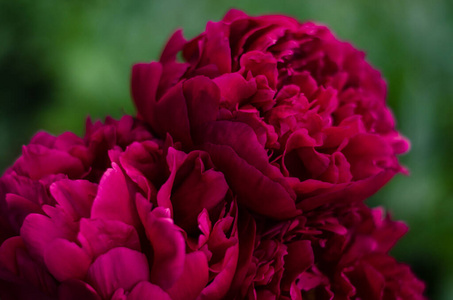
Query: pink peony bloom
{"type": "Point", "coordinates": [116, 215]}
{"type": "Point", "coordinates": [292, 116]}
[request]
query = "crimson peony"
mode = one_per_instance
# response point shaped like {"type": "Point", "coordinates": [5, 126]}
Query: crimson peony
{"type": "Point", "coordinates": [242, 177]}
{"type": "Point", "coordinates": [299, 116]}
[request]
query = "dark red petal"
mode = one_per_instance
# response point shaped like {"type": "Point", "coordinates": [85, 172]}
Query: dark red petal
{"type": "Point", "coordinates": [77, 290]}
{"type": "Point", "coordinates": [202, 98]}
{"type": "Point", "coordinates": [195, 190]}
{"type": "Point", "coordinates": [247, 234]}
{"type": "Point", "coordinates": [167, 242]}
{"type": "Point", "coordinates": [255, 190]}
{"type": "Point", "coordinates": [144, 83]}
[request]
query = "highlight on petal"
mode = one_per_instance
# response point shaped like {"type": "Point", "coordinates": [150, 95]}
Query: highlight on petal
{"type": "Point", "coordinates": [119, 268]}
{"type": "Point", "coordinates": [147, 290]}
{"type": "Point", "coordinates": [113, 201]}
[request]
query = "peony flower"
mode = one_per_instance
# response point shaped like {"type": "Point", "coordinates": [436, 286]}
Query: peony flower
{"type": "Point", "coordinates": [299, 116]}
{"type": "Point", "coordinates": [241, 178]}
{"type": "Point", "coordinates": [157, 223]}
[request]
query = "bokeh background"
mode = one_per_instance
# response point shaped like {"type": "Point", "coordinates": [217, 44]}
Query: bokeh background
{"type": "Point", "coordinates": [63, 60]}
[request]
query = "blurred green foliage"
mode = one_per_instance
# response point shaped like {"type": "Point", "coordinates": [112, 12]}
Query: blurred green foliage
{"type": "Point", "coordinates": [63, 60]}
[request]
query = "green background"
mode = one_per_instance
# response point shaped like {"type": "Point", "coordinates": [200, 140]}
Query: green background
{"type": "Point", "coordinates": [63, 60]}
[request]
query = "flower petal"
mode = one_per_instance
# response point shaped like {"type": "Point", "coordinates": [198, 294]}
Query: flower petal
{"type": "Point", "coordinates": [75, 196]}
{"type": "Point", "coordinates": [118, 268]}
{"type": "Point", "coordinates": [39, 231]}
{"type": "Point", "coordinates": [75, 290]}
{"type": "Point", "coordinates": [97, 236]}
{"type": "Point", "coordinates": [193, 279]}
{"type": "Point", "coordinates": [255, 190]}
{"type": "Point", "coordinates": [147, 290]}
{"type": "Point", "coordinates": [113, 201]}
{"type": "Point", "coordinates": [65, 260]}
{"type": "Point", "coordinates": [168, 246]}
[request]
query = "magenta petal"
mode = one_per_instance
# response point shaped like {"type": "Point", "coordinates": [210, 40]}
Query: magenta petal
{"type": "Point", "coordinates": [247, 234]}
{"type": "Point", "coordinates": [18, 208]}
{"type": "Point", "coordinates": [320, 193]}
{"type": "Point", "coordinates": [234, 14]}
{"type": "Point", "coordinates": [221, 283]}
{"type": "Point", "coordinates": [8, 253]}
{"type": "Point", "coordinates": [144, 83]}
{"type": "Point", "coordinates": [244, 141]}
{"type": "Point", "coordinates": [38, 161]}
{"type": "Point", "coordinates": [39, 231]}
{"type": "Point", "coordinates": [65, 260]}
{"type": "Point", "coordinates": [174, 45]}
{"type": "Point", "coordinates": [75, 196]}
{"type": "Point", "coordinates": [217, 47]}
{"type": "Point", "coordinates": [118, 268]}
{"type": "Point", "coordinates": [167, 114]}
{"type": "Point", "coordinates": [76, 290]}
{"type": "Point", "coordinates": [234, 88]}
{"type": "Point", "coordinates": [147, 290]}
{"type": "Point", "coordinates": [202, 100]}
{"type": "Point", "coordinates": [368, 154]}
{"type": "Point", "coordinates": [193, 279]}
{"type": "Point", "coordinates": [113, 201]}
{"type": "Point", "coordinates": [119, 294]}
{"type": "Point", "coordinates": [368, 281]}
{"type": "Point", "coordinates": [299, 258]}
{"type": "Point", "coordinates": [35, 274]}
{"type": "Point", "coordinates": [195, 189]}
{"type": "Point", "coordinates": [143, 163]}
{"type": "Point", "coordinates": [260, 63]}
{"type": "Point", "coordinates": [388, 232]}
{"type": "Point", "coordinates": [174, 160]}
{"type": "Point", "coordinates": [98, 236]}
{"type": "Point", "coordinates": [168, 248]}
{"type": "Point", "coordinates": [255, 190]}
